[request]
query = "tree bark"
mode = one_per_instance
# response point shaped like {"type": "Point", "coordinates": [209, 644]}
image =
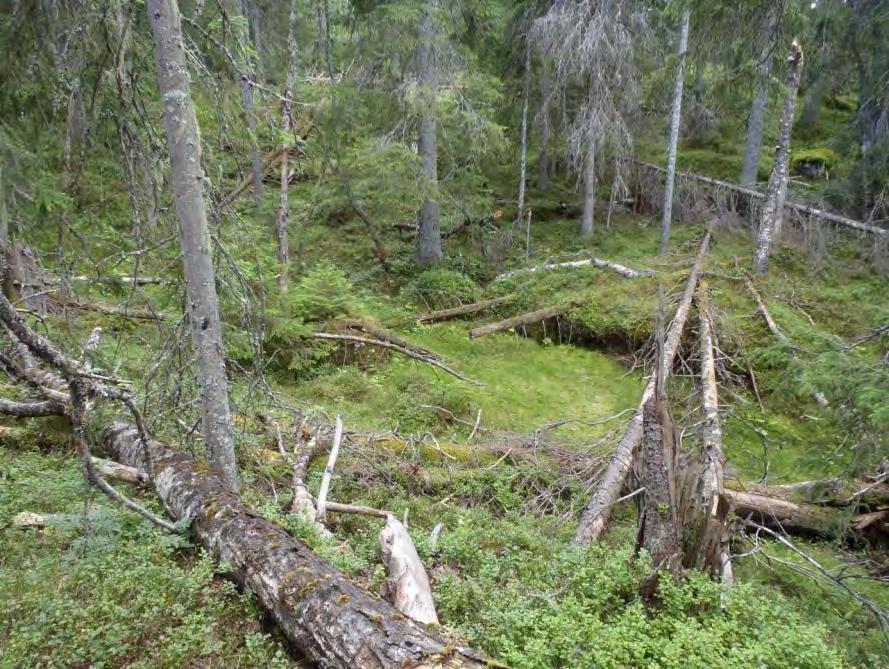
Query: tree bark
{"type": "Point", "coordinates": [523, 162]}
{"type": "Point", "coordinates": [428, 231]}
{"type": "Point", "coordinates": [519, 321]}
{"type": "Point", "coordinates": [464, 310]}
{"type": "Point", "coordinates": [407, 582]}
{"type": "Point", "coordinates": [675, 122]}
{"type": "Point", "coordinates": [543, 119]}
{"type": "Point", "coordinates": [183, 141]}
{"type": "Point", "coordinates": [286, 132]}
{"type": "Point", "coordinates": [332, 621]}
{"type": "Point", "coordinates": [772, 212]}
{"type": "Point", "coordinates": [756, 119]}
{"type": "Point", "coordinates": [595, 515]}
{"type": "Point", "coordinates": [589, 190]}
{"type": "Point", "coordinates": [710, 547]}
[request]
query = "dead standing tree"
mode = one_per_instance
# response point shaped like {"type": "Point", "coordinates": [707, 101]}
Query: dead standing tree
{"type": "Point", "coordinates": [772, 213]}
{"type": "Point", "coordinates": [591, 43]}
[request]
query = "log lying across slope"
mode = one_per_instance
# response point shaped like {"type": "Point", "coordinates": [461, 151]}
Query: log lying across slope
{"type": "Point", "coordinates": [597, 511]}
{"type": "Point", "coordinates": [463, 310]}
{"type": "Point", "coordinates": [792, 206]}
{"type": "Point", "coordinates": [626, 272]}
{"type": "Point", "coordinates": [517, 321]}
{"type": "Point", "coordinates": [330, 619]}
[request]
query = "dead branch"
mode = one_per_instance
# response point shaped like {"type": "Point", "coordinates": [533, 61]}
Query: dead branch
{"type": "Point", "coordinates": [463, 310]}
{"type": "Point", "coordinates": [32, 408]}
{"type": "Point", "coordinates": [328, 470]}
{"type": "Point", "coordinates": [625, 272]}
{"type": "Point", "coordinates": [393, 347]}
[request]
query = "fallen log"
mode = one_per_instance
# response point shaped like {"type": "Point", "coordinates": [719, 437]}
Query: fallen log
{"type": "Point", "coordinates": [384, 335]}
{"type": "Point", "coordinates": [625, 272]}
{"type": "Point", "coordinates": [518, 321]}
{"type": "Point", "coordinates": [115, 470]}
{"type": "Point", "coordinates": [126, 312]}
{"type": "Point", "coordinates": [394, 347]}
{"type": "Point", "coordinates": [595, 515]}
{"type": "Point", "coordinates": [331, 620]}
{"type": "Point", "coordinates": [793, 206]}
{"type": "Point", "coordinates": [463, 310]}
{"type": "Point", "coordinates": [247, 181]}
{"type": "Point", "coordinates": [32, 408]}
{"type": "Point", "coordinates": [790, 516]}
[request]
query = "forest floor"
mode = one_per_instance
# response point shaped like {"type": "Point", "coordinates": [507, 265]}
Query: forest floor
{"type": "Point", "coordinates": [100, 584]}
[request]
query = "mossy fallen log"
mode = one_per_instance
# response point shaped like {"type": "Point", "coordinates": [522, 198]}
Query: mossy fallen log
{"type": "Point", "coordinates": [330, 619]}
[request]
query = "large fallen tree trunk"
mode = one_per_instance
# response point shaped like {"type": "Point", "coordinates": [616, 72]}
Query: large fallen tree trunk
{"type": "Point", "coordinates": [793, 206]}
{"type": "Point", "coordinates": [330, 619]}
{"type": "Point", "coordinates": [595, 515]}
{"type": "Point", "coordinates": [463, 310]}
{"type": "Point", "coordinates": [626, 272]}
{"type": "Point", "coordinates": [518, 321]}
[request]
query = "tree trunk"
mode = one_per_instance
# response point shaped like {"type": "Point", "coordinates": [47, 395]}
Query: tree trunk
{"type": "Point", "coordinates": [523, 162]}
{"type": "Point", "coordinates": [756, 119]}
{"type": "Point", "coordinates": [246, 86]}
{"type": "Point", "coordinates": [520, 320]}
{"type": "Point", "coordinates": [675, 122]}
{"type": "Point", "coordinates": [773, 209]}
{"type": "Point", "coordinates": [332, 621]}
{"type": "Point", "coordinates": [589, 190]}
{"type": "Point", "coordinates": [543, 119]}
{"type": "Point", "coordinates": [428, 231]}
{"type": "Point", "coordinates": [595, 515]}
{"type": "Point", "coordinates": [183, 141]}
{"type": "Point", "coordinates": [708, 548]}
{"type": "Point", "coordinates": [286, 132]}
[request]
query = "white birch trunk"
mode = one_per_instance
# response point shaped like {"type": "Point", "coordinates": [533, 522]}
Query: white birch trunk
{"type": "Point", "coordinates": [183, 141]}
{"type": "Point", "coordinates": [675, 121]}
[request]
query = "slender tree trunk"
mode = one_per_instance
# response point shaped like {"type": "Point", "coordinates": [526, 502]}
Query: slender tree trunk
{"type": "Point", "coordinates": [589, 190]}
{"type": "Point", "coordinates": [287, 132]}
{"type": "Point", "coordinates": [183, 141]}
{"type": "Point", "coordinates": [756, 119]}
{"type": "Point", "coordinates": [777, 189]}
{"type": "Point", "coordinates": [428, 231]}
{"type": "Point", "coordinates": [523, 163]}
{"type": "Point", "coordinates": [543, 117]}
{"type": "Point", "coordinates": [249, 106]}
{"type": "Point", "coordinates": [675, 122]}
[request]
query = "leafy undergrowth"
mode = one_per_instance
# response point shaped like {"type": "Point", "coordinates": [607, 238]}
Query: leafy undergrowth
{"type": "Point", "coordinates": [99, 587]}
{"type": "Point", "coordinates": [503, 572]}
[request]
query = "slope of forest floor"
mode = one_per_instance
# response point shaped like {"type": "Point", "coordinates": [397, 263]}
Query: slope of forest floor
{"type": "Point", "coordinates": [448, 451]}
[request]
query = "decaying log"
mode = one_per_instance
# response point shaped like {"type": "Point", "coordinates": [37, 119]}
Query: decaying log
{"type": "Point", "coordinates": [793, 206]}
{"type": "Point", "coordinates": [789, 516]}
{"type": "Point", "coordinates": [596, 513]}
{"type": "Point", "coordinates": [115, 470]}
{"type": "Point", "coordinates": [337, 507]}
{"type": "Point", "coordinates": [463, 310]}
{"type": "Point", "coordinates": [126, 312]}
{"type": "Point", "coordinates": [407, 583]}
{"type": "Point", "coordinates": [518, 321]}
{"type": "Point", "coordinates": [393, 347]}
{"type": "Point", "coordinates": [331, 620]}
{"type": "Point", "coordinates": [625, 272]}
{"type": "Point", "coordinates": [712, 541]}
{"type": "Point", "coordinates": [32, 408]}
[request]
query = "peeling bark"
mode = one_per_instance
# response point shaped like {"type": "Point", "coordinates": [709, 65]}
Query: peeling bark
{"type": "Point", "coordinates": [407, 583]}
